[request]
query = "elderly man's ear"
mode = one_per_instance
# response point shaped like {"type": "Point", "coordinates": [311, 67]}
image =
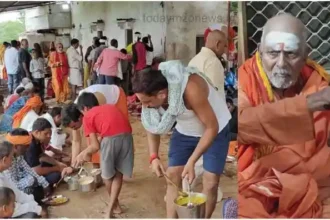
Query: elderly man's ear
{"type": "Point", "coordinates": [307, 50]}
{"type": "Point", "coordinates": [259, 48]}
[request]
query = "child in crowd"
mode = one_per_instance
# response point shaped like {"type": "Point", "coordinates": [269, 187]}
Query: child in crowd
{"type": "Point", "coordinates": [37, 68]}
{"type": "Point", "coordinates": [7, 202]}
{"type": "Point", "coordinates": [115, 146]}
{"type": "Point", "coordinates": [35, 156]}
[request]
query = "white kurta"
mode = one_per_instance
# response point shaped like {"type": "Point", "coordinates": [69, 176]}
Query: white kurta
{"type": "Point", "coordinates": [24, 203]}
{"type": "Point", "coordinates": [75, 64]}
{"type": "Point", "coordinates": [57, 140]}
{"type": "Point", "coordinates": [28, 120]}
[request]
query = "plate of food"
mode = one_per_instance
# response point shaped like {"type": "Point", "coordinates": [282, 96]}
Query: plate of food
{"type": "Point", "coordinates": [56, 200]}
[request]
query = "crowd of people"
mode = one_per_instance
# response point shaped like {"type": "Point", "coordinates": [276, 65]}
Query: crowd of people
{"type": "Point", "coordinates": [189, 101]}
{"type": "Point", "coordinates": [104, 64]}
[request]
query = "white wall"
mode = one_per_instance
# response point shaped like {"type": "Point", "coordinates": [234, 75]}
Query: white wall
{"type": "Point", "coordinates": [82, 15]}
{"type": "Point", "coordinates": [85, 13]}
{"type": "Point", "coordinates": [174, 26]}
{"type": "Point", "coordinates": [186, 20]}
{"type": "Point", "coordinates": [40, 18]}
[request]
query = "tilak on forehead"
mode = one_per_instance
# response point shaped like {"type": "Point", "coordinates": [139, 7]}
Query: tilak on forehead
{"type": "Point", "coordinates": [282, 41]}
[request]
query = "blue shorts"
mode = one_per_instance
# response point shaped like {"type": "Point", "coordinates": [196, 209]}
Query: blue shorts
{"type": "Point", "coordinates": [214, 159]}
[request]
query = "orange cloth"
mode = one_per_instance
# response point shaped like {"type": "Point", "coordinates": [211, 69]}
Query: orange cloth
{"type": "Point", "coordinates": [281, 143]}
{"type": "Point", "coordinates": [19, 139]}
{"type": "Point", "coordinates": [276, 186]}
{"type": "Point", "coordinates": [122, 106]}
{"type": "Point", "coordinates": [31, 103]}
{"type": "Point", "coordinates": [60, 81]}
{"type": "Point", "coordinates": [4, 73]}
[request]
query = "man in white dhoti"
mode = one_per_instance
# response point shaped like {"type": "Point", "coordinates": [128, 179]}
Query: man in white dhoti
{"type": "Point", "coordinates": [75, 59]}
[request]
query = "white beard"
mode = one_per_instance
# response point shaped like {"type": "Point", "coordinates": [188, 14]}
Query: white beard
{"type": "Point", "coordinates": [281, 82]}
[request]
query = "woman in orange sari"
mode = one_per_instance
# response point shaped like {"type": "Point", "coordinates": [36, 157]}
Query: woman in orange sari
{"type": "Point", "coordinates": [58, 62]}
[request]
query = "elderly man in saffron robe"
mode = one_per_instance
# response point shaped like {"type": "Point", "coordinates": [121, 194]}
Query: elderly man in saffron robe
{"type": "Point", "coordinates": [283, 127]}
{"type": "Point", "coordinates": [58, 61]}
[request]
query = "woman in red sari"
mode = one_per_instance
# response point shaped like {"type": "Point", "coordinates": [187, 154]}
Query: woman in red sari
{"type": "Point", "coordinates": [58, 62]}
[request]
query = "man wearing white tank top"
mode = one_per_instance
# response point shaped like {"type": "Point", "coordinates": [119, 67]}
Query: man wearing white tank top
{"type": "Point", "coordinates": [175, 93]}
{"type": "Point", "coordinates": [208, 62]}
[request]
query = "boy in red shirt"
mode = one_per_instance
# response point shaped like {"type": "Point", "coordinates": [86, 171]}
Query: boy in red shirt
{"type": "Point", "coordinates": [116, 145]}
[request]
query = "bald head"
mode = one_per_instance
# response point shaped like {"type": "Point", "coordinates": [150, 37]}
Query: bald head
{"type": "Point", "coordinates": [285, 23]}
{"type": "Point", "coordinates": [217, 42]}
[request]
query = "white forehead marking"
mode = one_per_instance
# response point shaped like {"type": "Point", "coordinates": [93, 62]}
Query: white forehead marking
{"type": "Point", "coordinates": [282, 41]}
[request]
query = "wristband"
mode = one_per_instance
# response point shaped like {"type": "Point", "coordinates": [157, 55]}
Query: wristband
{"type": "Point", "coordinates": [153, 157]}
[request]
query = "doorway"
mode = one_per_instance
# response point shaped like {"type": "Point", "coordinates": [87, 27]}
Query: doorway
{"type": "Point", "coordinates": [199, 43]}
{"type": "Point", "coordinates": [129, 36]}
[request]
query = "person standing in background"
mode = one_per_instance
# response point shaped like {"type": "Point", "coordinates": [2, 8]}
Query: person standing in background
{"type": "Point", "coordinates": [90, 48]}
{"type": "Point", "coordinates": [95, 54]}
{"type": "Point", "coordinates": [24, 59]}
{"type": "Point", "coordinates": [139, 54]}
{"type": "Point", "coordinates": [87, 68]}
{"type": "Point", "coordinates": [109, 64]}
{"type": "Point", "coordinates": [37, 68]}
{"type": "Point", "coordinates": [12, 65]}
{"type": "Point", "coordinates": [3, 74]}
{"type": "Point", "coordinates": [208, 60]}
{"type": "Point", "coordinates": [58, 62]}
{"type": "Point", "coordinates": [90, 61]}
{"type": "Point", "coordinates": [150, 50]}
{"type": "Point", "coordinates": [38, 49]}
{"type": "Point", "coordinates": [75, 59]}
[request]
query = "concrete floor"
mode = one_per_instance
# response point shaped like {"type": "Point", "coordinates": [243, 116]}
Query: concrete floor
{"type": "Point", "coordinates": [143, 197]}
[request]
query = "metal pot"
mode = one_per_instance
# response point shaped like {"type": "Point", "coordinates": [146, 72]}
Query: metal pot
{"type": "Point", "coordinates": [88, 167]}
{"type": "Point", "coordinates": [73, 183]}
{"type": "Point", "coordinates": [96, 173]}
{"type": "Point", "coordinates": [197, 211]}
{"type": "Point", "coordinates": [87, 184]}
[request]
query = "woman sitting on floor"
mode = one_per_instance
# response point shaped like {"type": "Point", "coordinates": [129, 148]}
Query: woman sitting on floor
{"type": "Point", "coordinates": [25, 117]}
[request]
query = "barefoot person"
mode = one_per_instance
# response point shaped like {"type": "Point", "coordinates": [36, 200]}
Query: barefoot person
{"type": "Point", "coordinates": [105, 94]}
{"type": "Point", "coordinates": [115, 144]}
{"type": "Point", "coordinates": [75, 59]}
{"type": "Point", "coordinates": [202, 126]}
{"type": "Point", "coordinates": [58, 62]}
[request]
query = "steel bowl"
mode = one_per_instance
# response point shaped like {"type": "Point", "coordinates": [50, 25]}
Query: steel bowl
{"type": "Point", "coordinates": [73, 183]}
{"type": "Point", "coordinates": [96, 173]}
{"type": "Point", "coordinates": [87, 184]}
